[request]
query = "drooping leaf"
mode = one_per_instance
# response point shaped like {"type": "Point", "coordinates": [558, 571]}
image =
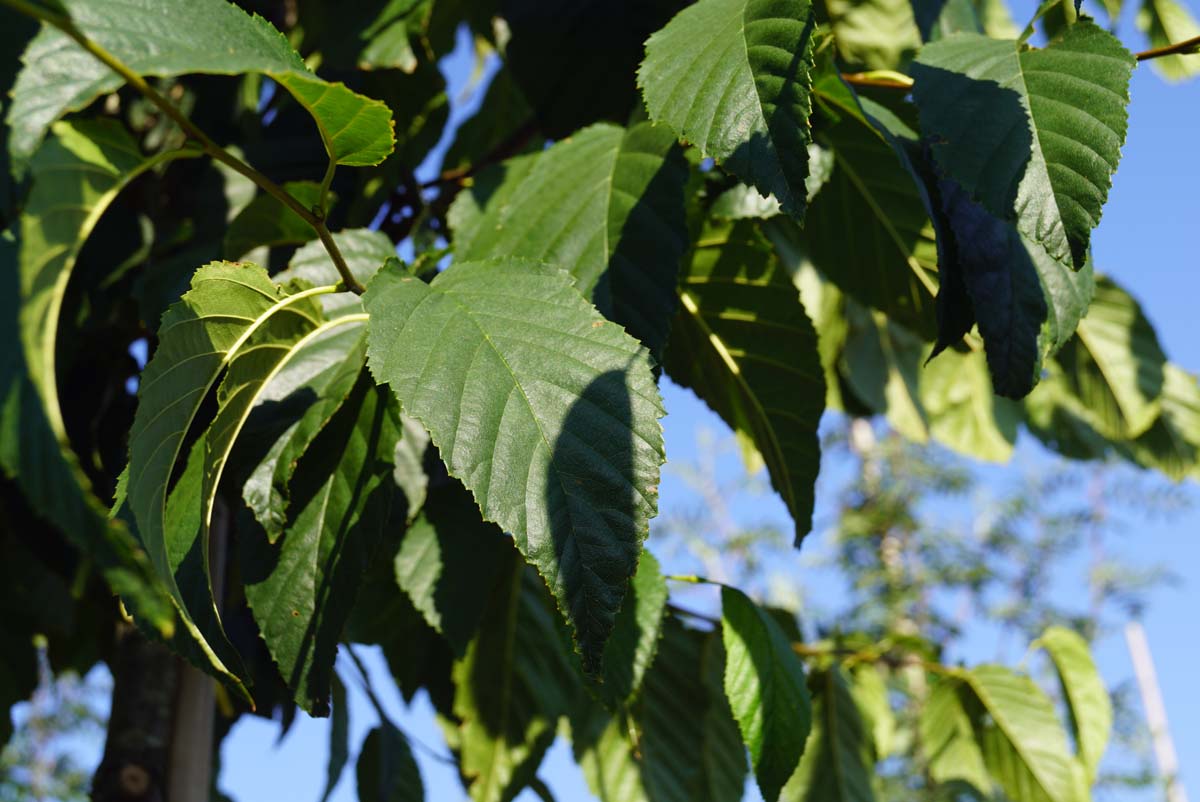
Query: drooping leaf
{"type": "Point", "coordinates": [608, 758]}
{"type": "Point", "coordinates": [198, 338]}
{"type": "Point", "coordinates": [1114, 365]}
{"type": "Point", "coordinates": [1087, 699]}
{"type": "Point", "coordinates": [546, 384]}
{"type": "Point", "coordinates": [266, 221]}
{"type": "Point", "coordinates": [1167, 22]}
{"type": "Point", "coordinates": [606, 205]}
{"type": "Point", "coordinates": [732, 77]}
{"type": "Point", "coordinates": [742, 341]}
{"type": "Point", "coordinates": [514, 683]}
{"type": "Point", "coordinates": [165, 38]}
{"type": "Point", "coordinates": [448, 563]}
{"type": "Point", "coordinates": [964, 414]}
{"type": "Point", "coordinates": [890, 262]}
{"type": "Point", "coordinates": [1027, 304]}
{"type": "Point", "coordinates": [764, 681]}
{"type": "Point", "coordinates": [948, 740]}
{"type": "Point", "coordinates": [1033, 135]}
{"type": "Point", "coordinates": [301, 399]}
{"type": "Point", "coordinates": [1172, 444]}
{"type": "Point", "coordinates": [1023, 744]}
{"type": "Point", "coordinates": [869, 687]}
{"type": "Point", "coordinates": [838, 763]}
{"type": "Point", "coordinates": [634, 640]}
{"type": "Point", "coordinates": [339, 734]}
{"type": "Point", "coordinates": [690, 745]}
{"type": "Point", "coordinates": [387, 770]}
{"type": "Point", "coordinates": [301, 589]}
{"type": "Point", "coordinates": [75, 176]}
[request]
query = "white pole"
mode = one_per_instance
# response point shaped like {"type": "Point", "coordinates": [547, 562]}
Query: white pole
{"type": "Point", "coordinates": [1156, 711]}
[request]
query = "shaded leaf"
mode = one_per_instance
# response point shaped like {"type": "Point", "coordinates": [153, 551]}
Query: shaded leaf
{"type": "Point", "coordinates": [526, 373]}
{"type": "Point", "coordinates": [838, 764]}
{"type": "Point", "coordinates": [387, 770]}
{"type": "Point", "coordinates": [266, 221]}
{"type": "Point", "coordinates": [742, 341]}
{"type": "Point", "coordinates": [638, 626]}
{"type": "Point", "coordinates": [1033, 135]}
{"type": "Point", "coordinates": [364, 250]}
{"type": "Point", "coordinates": [732, 77]}
{"type": "Point", "coordinates": [339, 734]}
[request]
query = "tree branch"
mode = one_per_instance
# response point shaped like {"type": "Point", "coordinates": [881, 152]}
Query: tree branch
{"type": "Point", "coordinates": [1184, 48]}
{"type": "Point", "coordinates": [315, 218]}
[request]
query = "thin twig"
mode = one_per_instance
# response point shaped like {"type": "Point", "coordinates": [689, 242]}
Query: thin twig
{"type": "Point", "coordinates": [314, 219]}
{"type": "Point", "coordinates": [1184, 48]}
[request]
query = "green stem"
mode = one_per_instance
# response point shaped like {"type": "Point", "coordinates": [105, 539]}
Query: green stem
{"type": "Point", "coordinates": [692, 579]}
{"type": "Point", "coordinates": [1184, 48]}
{"type": "Point", "coordinates": [139, 83]}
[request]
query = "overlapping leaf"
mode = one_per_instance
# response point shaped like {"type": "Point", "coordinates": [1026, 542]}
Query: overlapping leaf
{"type": "Point", "coordinates": [506, 365]}
{"type": "Point", "coordinates": [1033, 135]}
{"type": "Point", "coordinates": [387, 770]}
{"type": "Point", "coordinates": [634, 640]}
{"type": "Point", "coordinates": [174, 37]}
{"type": "Point", "coordinates": [1087, 699]}
{"type": "Point", "coordinates": [742, 341]}
{"type": "Point", "coordinates": [764, 681]}
{"type": "Point", "coordinates": [964, 413]}
{"type": "Point", "coordinates": [948, 739]}
{"type": "Point", "coordinates": [1022, 742]}
{"type": "Point", "coordinates": [514, 683]}
{"type": "Point", "coordinates": [198, 338]}
{"type": "Point", "coordinates": [266, 221]}
{"type": "Point", "coordinates": [732, 77]}
{"type": "Point", "coordinates": [838, 764]}
{"type": "Point", "coordinates": [364, 250]}
{"type": "Point", "coordinates": [605, 204]}
{"type": "Point", "coordinates": [302, 589]}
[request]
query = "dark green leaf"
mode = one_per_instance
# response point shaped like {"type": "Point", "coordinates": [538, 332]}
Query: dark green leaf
{"type": "Point", "coordinates": [500, 121]}
{"type": "Point", "coordinates": [742, 341]}
{"type": "Point", "coordinates": [165, 38]}
{"type": "Point", "coordinates": [448, 563]}
{"type": "Point", "coordinates": [764, 681]}
{"type": "Point", "coordinates": [266, 221]}
{"type": "Point", "coordinates": [1033, 135]}
{"type": "Point", "coordinates": [732, 77]}
{"type": "Point", "coordinates": [301, 590]}
{"type": "Point", "coordinates": [339, 734]}
{"type": "Point", "coordinates": [634, 640]}
{"type": "Point", "coordinates": [387, 771]}
{"type": "Point", "coordinates": [526, 373]}
{"type": "Point", "coordinates": [607, 206]}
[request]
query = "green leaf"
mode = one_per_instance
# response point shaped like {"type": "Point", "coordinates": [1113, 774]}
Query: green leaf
{"type": "Point", "coordinates": [732, 77]}
{"type": "Point", "coordinates": [764, 681]}
{"type": "Point", "coordinates": [1114, 365]}
{"type": "Point", "coordinates": [634, 640]}
{"type": "Point", "coordinates": [964, 414]}
{"type": "Point", "coordinates": [315, 381]}
{"type": "Point", "coordinates": [339, 734]}
{"type": "Point", "coordinates": [364, 36]}
{"type": "Point", "coordinates": [881, 364]}
{"type": "Point", "coordinates": [1167, 22]}
{"type": "Point", "coordinates": [874, 34]}
{"type": "Point", "coordinates": [1172, 444]}
{"type": "Point", "coordinates": [364, 250]}
{"type": "Point", "coordinates": [387, 770]}
{"type": "Point", "coordinates": [948, 740]}
{"type": "Point", "coordinates": [512, 686]}
{"type": "Point", "coordinates": [606, 205]}
{"type": "Point", "coordinates": [1027, 304]}
{"type": "Point", "coordinates": [608, 758]}
{"type": "Point", "coordinates": [1087, 699]}
{"type": "Point", "coordinates": [505, 364]}
{"type": "Point", "coordinates": [1033, 135]}
{"type": "Point", "coordinates": [1023, 745]}
{"type": "Point", "coordinates": [301, 590]}
{"type": "Point", "coordinates": [198, 339]}
{"type": "Point", "coordinates": [76, 175]}
{"type": "Point", "coordinates": [868, 685]}
{"type": "Point", "coordinates": [447, 550]}
{"type": "Point", "coordinates": [742, 341]}
{"type": "Point", "coordinates": [165, 38]}
{"type": "Point", "coordinates": [266, 221]}
{"type": "Point", "coordinates": [690, 745]}
{"type": "Point", "coordinates": [837, 765]}
{"type": "Point", "coordinates": [890, 263]}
